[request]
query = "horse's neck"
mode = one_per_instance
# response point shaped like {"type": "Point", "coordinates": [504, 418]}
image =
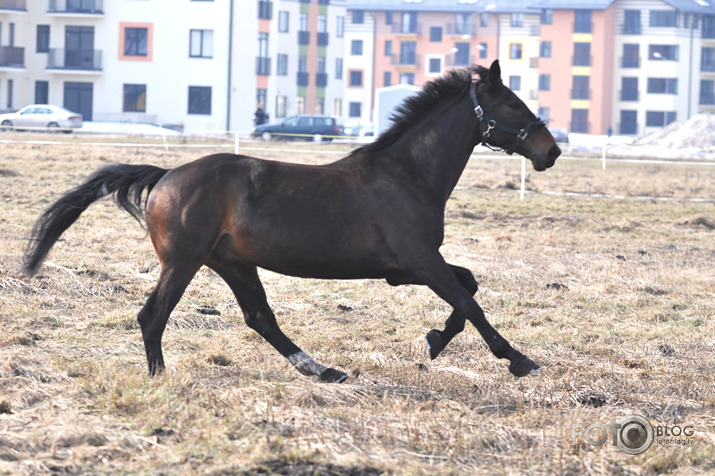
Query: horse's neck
{"type": "Point", "coordinates": [439, 146]}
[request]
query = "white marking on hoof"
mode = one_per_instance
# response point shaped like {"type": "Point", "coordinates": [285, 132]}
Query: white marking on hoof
{"type": "Point", "coordinates": [341, 379]}
{"type": "Point", "coordinates": [538, 367]}
{"type": "Point", "coordinates": [306, 364]}
{"type": "Point", "coordinates": [429, 347]}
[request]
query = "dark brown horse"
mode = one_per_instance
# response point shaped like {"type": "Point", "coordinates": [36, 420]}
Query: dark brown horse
{"type": "Point", "coordinates": [376, 213]}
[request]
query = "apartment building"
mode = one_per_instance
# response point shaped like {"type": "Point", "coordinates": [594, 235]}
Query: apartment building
{"type": "Point", "coordinates": [594, 66]}
{"type": "Point", "coordinates": [196, 64]}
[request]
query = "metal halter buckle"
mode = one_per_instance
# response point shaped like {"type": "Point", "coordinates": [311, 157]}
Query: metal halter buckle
{"type": "Point", "coordinates": [522, 134]}
{"type": "Point", "coordinates": [479, 112]}
{"type": "Point", "coordinates": [490, 125]}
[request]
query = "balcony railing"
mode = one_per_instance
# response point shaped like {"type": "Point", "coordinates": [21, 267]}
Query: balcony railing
{"type": "Point", "coordinates": [323, 38]}
{"type": "Point", "coordinates": [303, 37]}
{"type": "Point", "coordinates": [76, 60]}
{"type": "Point", "coordinates": [12, 56]}
{"type": "Point", "coordinates": [82, 7]}
{"type": "Point", "coordinates": [321, 80]}
{"type": "Point", "coordinates": [405, 60]}
{"type": "Point", "coordinates": [630, 62]}
{"type": "Point", "coordinates": [302, 78]}
{"type": "Point", "coordinates": [265, 10]}
{"type": "Point", "coordinates": [263, 65]}
{"type": "Point", "coordinates": [17, 5]}
{"type": "Point", "coordinates": [629, 95]}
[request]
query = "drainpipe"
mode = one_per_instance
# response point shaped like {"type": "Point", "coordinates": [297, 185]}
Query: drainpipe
{"type": "Point", "coordinates": [230, 66]}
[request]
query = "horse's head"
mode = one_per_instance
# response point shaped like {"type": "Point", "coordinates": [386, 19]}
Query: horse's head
{"type": "Point", "coordinates": [506, 122]}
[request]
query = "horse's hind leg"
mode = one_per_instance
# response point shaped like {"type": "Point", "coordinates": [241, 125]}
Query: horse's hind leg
{"type": "Point", "coordinates": [246, 286]}
{"type": "Point", "coordinates": [438, 340]}
{"type": "Point", "coordinates": [172, 283]}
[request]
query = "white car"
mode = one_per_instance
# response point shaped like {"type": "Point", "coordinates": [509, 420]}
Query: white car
{"type": "Point", "coordinates": [42, 116]}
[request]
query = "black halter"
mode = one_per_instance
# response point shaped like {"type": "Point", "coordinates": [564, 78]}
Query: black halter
{"type": "Point", "coordinates": [520, 134]}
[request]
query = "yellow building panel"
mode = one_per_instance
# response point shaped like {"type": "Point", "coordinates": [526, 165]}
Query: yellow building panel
{"type": "Point", "coordinates": [583, 37]}
{"type": "Point", "coordinates": [580, 71]}
{"type": "Point", "coordinates": [580, 104]}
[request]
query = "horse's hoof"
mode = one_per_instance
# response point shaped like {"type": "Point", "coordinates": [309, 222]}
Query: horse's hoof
{"type": "Point", "coordinates": [523, 367]}
{"type": "Point", "coordinates": [333, 376]}
{"type": "Point", "coordinates": [434, 343]}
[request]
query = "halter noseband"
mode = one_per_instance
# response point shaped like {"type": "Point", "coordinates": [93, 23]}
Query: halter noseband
{"type": "Point", "coordinates": [520, 134]}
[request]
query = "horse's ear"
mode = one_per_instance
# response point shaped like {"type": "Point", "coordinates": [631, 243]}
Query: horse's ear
{"type": "Point", "coordinates": [495, 73]}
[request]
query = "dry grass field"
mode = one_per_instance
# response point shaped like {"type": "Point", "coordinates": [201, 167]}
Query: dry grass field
{"type": "Point", "coordinates": [614, 297]}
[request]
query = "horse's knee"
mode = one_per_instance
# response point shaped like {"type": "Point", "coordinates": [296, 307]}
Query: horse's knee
{"type": "Point", "coordinates": [260, 322]}
{"type": "Point", "coordinates": [466, 279]}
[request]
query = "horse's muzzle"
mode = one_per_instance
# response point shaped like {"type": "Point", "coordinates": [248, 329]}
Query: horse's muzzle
{"type": "Point", "coordinates": [547, 161]}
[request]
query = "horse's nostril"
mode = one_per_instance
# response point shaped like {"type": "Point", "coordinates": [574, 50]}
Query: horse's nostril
{"type": "Point", "coordinates": [554, 152]}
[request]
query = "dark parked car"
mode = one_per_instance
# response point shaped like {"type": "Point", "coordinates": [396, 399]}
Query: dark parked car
{"type": "Point", "coordinates": [304, 126]}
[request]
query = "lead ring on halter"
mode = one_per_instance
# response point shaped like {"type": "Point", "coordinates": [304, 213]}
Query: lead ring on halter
{"type": "Point", "coordinates": [521, 134]}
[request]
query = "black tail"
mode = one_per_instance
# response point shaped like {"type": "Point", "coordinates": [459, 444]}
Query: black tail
{"type": "Point", "coordinates": [126, 182]}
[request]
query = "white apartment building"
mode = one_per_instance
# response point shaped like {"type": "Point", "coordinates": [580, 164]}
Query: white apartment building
{"type": "Point", "coordinates": [194, 64]}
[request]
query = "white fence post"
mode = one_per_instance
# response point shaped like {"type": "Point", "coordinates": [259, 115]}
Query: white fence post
{"type": "Point", "coordinates": [523, 177]}
{"type": "Point", "coordinates": [235, 143]}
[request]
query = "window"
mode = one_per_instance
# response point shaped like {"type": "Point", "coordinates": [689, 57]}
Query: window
{"type": "Point", "coordinates": [43, 38]}
{"type": "Point", "coordinates": [320, 105]}
{"type": "Point", "coordinates": [340, 27]}
{"type": "Point", "coordinates": [545, 49]}
{"type": "Point", "coordinates": [708, 26]}
{"type": "Point", "coordinates": [707, 92]}
{"type": "Point", "coordinates": [136, 41]}
{"type": "Point", "coordinates": [338, 107]}
{"type": "Point", "coordinates": [629, 122]}
{"type": "Point", "coordinates": [663, 85]}
{"type": "Point", "coordinates": [355, 109]}
{"type": "Point", "coordinates": [201, 44]}
{"type": "Point", "coordinates": [582, 23]}
{"type": "Point", "coordinates": [482, 50]}
{"type": "Point", "coordinates": [388, 18]}
{"type": "Point", "coordinates": [10, 87]}
{"type": "Point", "coordinates": [409, 22]}
{"type": "Point", "coordinates": [461, 55]}
{"type": "Point", "coordinates": [515, 83]}
{"type": "Point", "coordinates": [134, 98]}
{"type": "Point", "coordinates": [42, 89]}
{"type": "Point", "coordinates": [282, 64]}
{"type": "Point", "coordinates": [356, 47]}
{"type": "Point", "coordinates": [300, 105]}
{"type": "Point", "coordinates": [200, 100]}
{"type": "Point", "coordinates": [283, 21]}
{"type": "Point", "coordinates": [632, 22]}
{"type": "Point", "coordinates": [629, 89]}
{"type": "Point", "coordinates": [579, 120]}
{"type": "Point", "coordinates": [322, 24]}
{"type": "Point", "coordinates": [407, 78]}
{"type": "Point", "coordinates": [434, 65]}
{"type": "Point", "coordinates": [408, 52]}
{"type": "Point", "coordinates": [484, 19]}
{"type": "Point", "coordinates": [265, 9]}
{"type": "Point", "coordinates": [631, 56]}
{"type": "Point", "coordinates": [338, 68]}
{"type": "Point", "coordinates": [544, 82]}
{"type": "Point", "coordinates": [515, 50]}
{"type": "Point", "coordinates": [280, 106]}
{"type": "Point", "coordinates": [668, 18]}
{"type": "Point", "coordinates": [707, 59]}
{"type": "Point", "coordinates": [545, 114]}
{"type": "Point", "coordinates": [388, 47]}
{"type": "Point", "coordinates": [358, 17]}
{"type": "Point", "coordinates": [464, 24]}
{"type": "Point", "coordinates": [547, 16]}
{"type": "Point", "coordinates": [517, 20]}
{"type": "Point", "coordinates": [659, 118]}
{"type": "Point", "coordinates": [387, 78]}
{"type": "Point", "coordinates": [355, 79]}
{"type": "Point", "coordinates": [261, 96]}
{"type": "Point", "coordinates": [663, 52]}
{"type": "Point", "coordinates": [435, 34]}
{"type": "Point", "coordinates": [580, 87]}
{"type": "Point", "coordinates": [582, 54]}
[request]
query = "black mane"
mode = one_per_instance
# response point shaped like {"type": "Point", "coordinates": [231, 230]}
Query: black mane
{"type": "Point", "coordinates": [451, 84]}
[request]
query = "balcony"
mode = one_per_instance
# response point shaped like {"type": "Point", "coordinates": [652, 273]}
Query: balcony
{"type": "Point", "coordinates": [265, 10]}
{"type": "Point", "coordinates": [13, 5]}
{"type": "Point", "coordinates": [76, 7]}
{"type": "Point", "coordinates": [407, 59]}
{"type": "Point", "coordinates": [302, 78]}
{"type": "Point", "coordinates": [263, 66]}
{"type": "Point", "coordinates": [321, 80]}
{"type": "Point", "coordinates": [323, 39]}
{"type": "Point", "coordinates": [12, 57]}
{"type": "Point", "coordinates": [303, 37]}
{"type": "Point", "coordinates": [74, 61]}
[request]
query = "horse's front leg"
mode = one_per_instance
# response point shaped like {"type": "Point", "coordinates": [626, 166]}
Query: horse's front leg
{"type": "Point", "coordinates": [440, 278]}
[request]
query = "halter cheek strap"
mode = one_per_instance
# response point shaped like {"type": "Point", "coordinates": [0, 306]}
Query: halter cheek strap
{"type": "Point", "coordinates": [521, 134]}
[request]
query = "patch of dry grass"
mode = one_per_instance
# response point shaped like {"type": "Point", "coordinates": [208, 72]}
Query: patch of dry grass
{"type": "Point", "coordinates": [615, 298]}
